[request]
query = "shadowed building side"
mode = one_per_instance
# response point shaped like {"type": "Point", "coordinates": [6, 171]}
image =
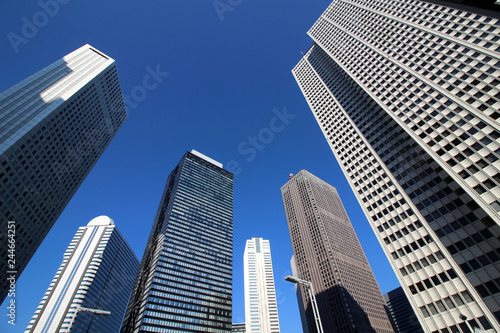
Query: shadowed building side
{"type": "Point", "coordinates": [403, 318]}
{"type": "Point", "coordinates": [328, 254]}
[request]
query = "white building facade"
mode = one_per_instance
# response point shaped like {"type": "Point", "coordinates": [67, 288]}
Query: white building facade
{"type": "Point", "coordinates": [407, 94]}
{"type": "Point", "coordinates": [261, 309]}
{"type": "Point", "coordinates": [98, 272]}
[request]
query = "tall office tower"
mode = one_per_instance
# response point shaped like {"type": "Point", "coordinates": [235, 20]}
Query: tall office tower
{"type": "Point", "coordinates": [97, 272]}
{"type": "Point", "coordinates": [54, 126]}
{"type": "Point", "coordinates": [184, 283]}
{"type": "Point", "coordinates": [261, 309]}
{"type": "Point", "coordinates": [328, 254]}
{"type": "Point", "coordinates": [407, 94]}
{"type": "Point", "coordinates": [400, 312]}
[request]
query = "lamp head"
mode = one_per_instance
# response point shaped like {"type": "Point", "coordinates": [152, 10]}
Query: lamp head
{"type": "Point", "coordinates": [292, 279]}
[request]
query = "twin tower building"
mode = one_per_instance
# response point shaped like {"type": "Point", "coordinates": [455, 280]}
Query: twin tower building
{"type": "Point", "coordinates": [407, 95]}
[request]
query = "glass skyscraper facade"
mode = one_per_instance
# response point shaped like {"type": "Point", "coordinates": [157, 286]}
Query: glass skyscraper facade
{"type": "Point", "coordinates": [261, 308]}
{"type": "Point", "coordinates": [327, 253]}
{"type": "Point", "coordinates": [54, 126]}
{"type": "Point", "coordinates": [407, 94]}
{"type": "Point", "coordinates": [98, 272]}
{"type": "Point", "coordinates": [185, 278]}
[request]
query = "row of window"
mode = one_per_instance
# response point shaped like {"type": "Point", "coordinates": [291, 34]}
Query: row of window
{"type": "Point", "coordinates": [472, 240]}
{"type": "Point", "coordinates": [426, 284]}
{"type": "Point", "coordinates": [446, 304]}
{"type": "Point", "coordinates": [463, 326]}
{"type": "Point", "coordinates": [482, 261]}
{"type": "Point", "coordinates": [401, 233]}
{"type": "Point", "coordinates": [462, 221]}
{"type": "Point", "coordinates": [423, 262]}
{"type": "Point", "coordinates": [489, 288]}
{"type": "Point", "coordinates": [407, 249]}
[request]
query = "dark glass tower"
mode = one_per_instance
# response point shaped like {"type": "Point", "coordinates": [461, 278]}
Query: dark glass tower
{"type": "Point", "coordinates": [399, 310]}
{"type": "Point", "coordinates": [328, 254]}
{"type": "Point", "coordinates": [185, 278]}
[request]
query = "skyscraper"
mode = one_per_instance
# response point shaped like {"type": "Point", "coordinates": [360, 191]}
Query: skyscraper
{"type": "Point", "coordinates": [400, 312]}
{"type": "Point", "coordinates": [261, 309]}
{"type": "Point", "coordinates": [407, 95]}
{"type": "Point", "coordinates": [54, 126]}
{"type": "Point", "coordinates": [185, 278]}
{"type": "Point", "coordinates": [328, 254]}
{"type": "Point", "coordinates": [97, 272]}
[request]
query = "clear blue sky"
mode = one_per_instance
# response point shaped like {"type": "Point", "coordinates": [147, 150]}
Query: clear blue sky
{"type": "Point", "coordinates": [227, 70]}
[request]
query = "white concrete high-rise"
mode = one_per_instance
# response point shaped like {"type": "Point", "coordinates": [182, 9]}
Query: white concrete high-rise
{"type": "Point", "coordinates": [54, 126]}
{"type": "Point", "coordinates": [407, 94]}
{"type": "Point", "coordinates": [261, 308]}
{"type": "Point", "coordinates": [98, 272]}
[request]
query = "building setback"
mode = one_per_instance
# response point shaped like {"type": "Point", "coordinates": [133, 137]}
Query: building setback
{"type": "Point", "coordinates": [184, 283]}
{"type": "Point", "coordinates": [407, 94]}
{"type": "Point", "coordinates": [261, 309]}
{"type": "Point", "coordinates": [97, 272]}
{"type": "Point", "coordinates": [54, 126]}
{"type": "Point", "coordinates": [400, 312]}
{"type": "Point", "coordinates": [328, 254]}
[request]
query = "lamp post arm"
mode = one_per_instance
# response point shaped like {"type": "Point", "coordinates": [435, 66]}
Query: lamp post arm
{"type": "Point", "coordinates": [315, 309]}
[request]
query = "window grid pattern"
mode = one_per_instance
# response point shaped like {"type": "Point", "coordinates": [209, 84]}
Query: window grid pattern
{"type": "Point", "coordinates": [261, 309]}
{"type": "Point", "coordinates": [383, 201]}
{"type": "Point", "coordinates": [402, 79]}
{"type": "Point", "coordinates": [55, 126]}
{"type": "Point", "coordinates": [185, 280]}
{"type": "Point", "coordinates": [327, 252]}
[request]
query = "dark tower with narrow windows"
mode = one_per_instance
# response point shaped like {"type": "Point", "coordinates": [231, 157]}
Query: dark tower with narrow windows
{"type": "Point", "coordinates": [185, 277]}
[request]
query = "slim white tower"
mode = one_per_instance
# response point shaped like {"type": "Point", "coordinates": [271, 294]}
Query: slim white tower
{"type": "Point", "coordinates": [98, 272]}
{"type": "Point", "coordinates": [261, 309]}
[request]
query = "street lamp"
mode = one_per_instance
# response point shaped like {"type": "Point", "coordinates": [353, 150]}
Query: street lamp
{"type": "Point", "coordinates": [464, 318]}
{"type": "Point", "coordinates": [94, 311]}
{"type": "Point", "coordinates": [310, 289]}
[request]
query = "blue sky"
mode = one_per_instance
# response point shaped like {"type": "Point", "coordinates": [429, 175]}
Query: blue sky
{"type": "Point", "coordinates": [228, 87]}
